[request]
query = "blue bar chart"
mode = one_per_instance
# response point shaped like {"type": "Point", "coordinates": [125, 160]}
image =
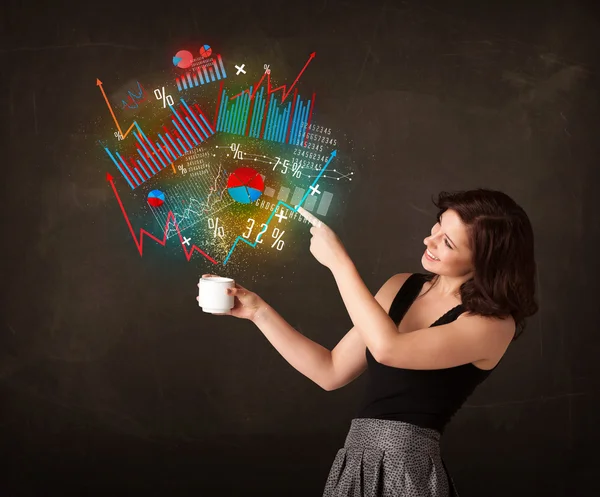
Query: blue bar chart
{"type": "Point", "coordinates": [265, 117]}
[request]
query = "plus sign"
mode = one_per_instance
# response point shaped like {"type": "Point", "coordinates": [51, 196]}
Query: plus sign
{"type": "Point", "coordinates": [186, 241]}
{"type": "Point", "coordinates": [280, 215]}
{"type": "Point", "coordinates": [315, 189]}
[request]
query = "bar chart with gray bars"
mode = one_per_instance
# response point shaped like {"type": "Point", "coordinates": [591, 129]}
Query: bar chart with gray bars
{"type": "Point", "coordinates": [309, 204]}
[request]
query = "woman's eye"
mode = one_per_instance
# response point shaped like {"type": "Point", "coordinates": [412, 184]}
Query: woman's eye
{"type": "Point", "coordinates": [447, 244]}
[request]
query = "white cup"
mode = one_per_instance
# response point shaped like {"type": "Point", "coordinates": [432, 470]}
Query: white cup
{"type": "Point", "coordinates": [212, 296]}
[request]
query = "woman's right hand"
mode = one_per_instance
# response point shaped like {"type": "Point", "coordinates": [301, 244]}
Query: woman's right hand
{"type": "Point", "coordinates": [245, 302]}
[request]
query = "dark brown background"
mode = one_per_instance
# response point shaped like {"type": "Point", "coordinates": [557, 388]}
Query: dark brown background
{"type": "Point", "coordinates": [112, 382]}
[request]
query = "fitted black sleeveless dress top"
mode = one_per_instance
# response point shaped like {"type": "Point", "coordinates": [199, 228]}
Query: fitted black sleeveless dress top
{"type": "Point", "coordinates": [426, 398]}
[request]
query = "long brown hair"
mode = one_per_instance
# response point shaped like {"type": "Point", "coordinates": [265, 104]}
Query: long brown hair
{"type": "Point", "coordinates": [501, 239]}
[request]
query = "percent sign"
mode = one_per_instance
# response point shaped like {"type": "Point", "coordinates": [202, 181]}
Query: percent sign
{"type": "Point", "coordinates": [267, 70]}
{"type": "Point", "coordinates": [237, 153]}
{"type": "Point", "coordinates": [296, 170]}
{"type": "Point", "coordinates": [167, 99]}
{"type": "Point", "coordinates": [280, 243]}
{"type": "Point", "coordinates": [118, 135]}
{"type": "Point", "coordinates": [181, 168]}
{"type": "Point", "coordinates": [217, 229]}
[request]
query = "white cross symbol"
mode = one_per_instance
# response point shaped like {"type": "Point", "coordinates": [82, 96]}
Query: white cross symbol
{"type": "Point", "coordinates": [315, 189]}
{"type": "Point", "coordinates": [280, 215]}
{"type": "Point", "coordinates": [186, 241]}
{"type": "Point", "coordinates": [240, 69]}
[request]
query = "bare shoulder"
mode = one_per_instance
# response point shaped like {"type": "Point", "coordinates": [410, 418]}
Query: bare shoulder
{"type": "Point", "coordinates": [486, 324]}
{"type": "Point", "coordinates": [494, 334]}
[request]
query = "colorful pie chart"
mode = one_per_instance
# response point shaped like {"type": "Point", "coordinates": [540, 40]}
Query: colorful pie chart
{"type": "Point", "coordinates": [156, 198]}
{"type": "Point", "coordinates": [245, 185]}
{"type": "Point", "coordinates": [205, 51]}
{"type": "Point", "coordinates": [183, 59]}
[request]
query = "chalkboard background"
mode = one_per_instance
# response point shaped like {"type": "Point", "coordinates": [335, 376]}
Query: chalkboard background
{"type": "Point", "coordinates": [113, 382]}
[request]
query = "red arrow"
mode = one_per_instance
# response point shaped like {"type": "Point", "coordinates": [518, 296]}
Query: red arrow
{"type": "Point", "coordinates": [139, 243]}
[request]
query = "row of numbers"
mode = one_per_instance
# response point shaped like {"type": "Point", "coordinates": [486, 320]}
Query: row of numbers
{"type": "Point", "coordinates": [194, 162]}
{"type": "Point", "coordinates": [322, 139]}
{"type": "Point", "coordinates": [309, 155]}
{"type": "Point", "coordinates": [317, 128]}
{"type": "Point", "coordinates": [307, 164]}
{"type": "Point", "coordinates": [314, 146]}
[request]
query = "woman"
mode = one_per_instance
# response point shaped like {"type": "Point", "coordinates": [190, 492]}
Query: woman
{"type": "Point", "coordinates": [426, 340]}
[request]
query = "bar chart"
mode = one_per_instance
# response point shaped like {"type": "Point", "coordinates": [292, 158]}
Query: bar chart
{"type": "Point", "coordinates": [190, 129]}
{"type": "Point", "coordinates": [309, 204]}
{"type": "Point", "coordinates": [206, 73]}
{"type": "Point", "coordinates": [264, 117]}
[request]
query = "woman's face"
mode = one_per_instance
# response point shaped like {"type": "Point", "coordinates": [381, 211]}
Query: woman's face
{"type": "Point", "coordinates": [449, 243]}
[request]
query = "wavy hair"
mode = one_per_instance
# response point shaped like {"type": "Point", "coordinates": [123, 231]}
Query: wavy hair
{"type": "Point", "coordinates": [501, 240]}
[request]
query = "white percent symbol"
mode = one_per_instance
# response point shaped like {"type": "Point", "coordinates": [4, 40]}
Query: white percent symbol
{"type": "Point", "coordinates": [182, 169]}
{"type": "Point", "coordinates": [237, 153]}
{"type": "Point", "coordinates": [296, 170]}
{"type": "Point", "coordinates": [218, 230]}
{"type": "Point", "coordinates": [267, 70]}
{"type": "Point", "coordinates": [161, 95]}
{"type": "Point", "coordinates": [277, 235]}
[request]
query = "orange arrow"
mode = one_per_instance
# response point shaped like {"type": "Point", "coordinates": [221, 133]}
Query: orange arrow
{"type": "Point", "coordinates": [99, 83]}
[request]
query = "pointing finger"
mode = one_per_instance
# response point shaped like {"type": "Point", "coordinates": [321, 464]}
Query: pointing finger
{"type": "Point", "coordinates": [309, 217]}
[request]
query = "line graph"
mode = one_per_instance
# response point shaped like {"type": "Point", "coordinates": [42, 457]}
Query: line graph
{"type": "Point", "coordinates": [267, 74]}
{"type": "Point", "coordinates": [140, 243]}
{"type": "Point", "coordinates": [189, 202]}
{"type": "Point", "coordinates": [112, 113]}
{"type": "Point", "coordinates": [135, 98]}
{"type": "Point", "coordinates": [331, 156]}
{"type": "Point", "coordinates": [185, 217]}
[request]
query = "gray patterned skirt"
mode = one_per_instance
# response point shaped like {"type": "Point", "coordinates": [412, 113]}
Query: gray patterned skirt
{"type": "Point", "coordinates": [384, 458]}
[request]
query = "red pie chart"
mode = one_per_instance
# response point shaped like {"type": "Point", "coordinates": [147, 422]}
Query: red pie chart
{"type": "Point", "coordinates": [245, 185]}
{"type": "Point", "coordinates": [183, 59]}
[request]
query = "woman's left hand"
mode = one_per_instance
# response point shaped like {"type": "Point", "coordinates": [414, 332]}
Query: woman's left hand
{"type": "Point", "coordinates": [324, 244]}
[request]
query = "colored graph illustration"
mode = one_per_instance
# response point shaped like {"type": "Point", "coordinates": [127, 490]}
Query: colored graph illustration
{"type": "Point", "coordinates": [183, 59]}
{"type": "Point", "coordinates": [139, 241]}
{"type": "Point", "coordinates": [208, 72]}
{"type": "Point", "coordinates": [191, 128]}
{"type": "Point", "coordinates": [156, 198]}
{"type": "Point", "coordinates": [190, 201]}
{"type": "Point", "coordinates": [205, 51]}
{"type": "Point", "coordinates": [134, 97]}
{"type": "Point", "coordinates": [280, 203]}
{"type": "Point", "coordinates": [262, 117]}
{"type": "Point", "coordinates": [245, 185]}
{"type": "Point", "coordinates": [236, 173]}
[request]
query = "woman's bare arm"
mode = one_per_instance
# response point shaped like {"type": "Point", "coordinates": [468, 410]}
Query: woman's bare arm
{"type": "Point", "coordinates": [328, 369]}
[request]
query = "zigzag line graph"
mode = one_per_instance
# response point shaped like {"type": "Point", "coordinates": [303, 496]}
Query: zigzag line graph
{"type": "Point", "coordinates": [281, 202]}
{"type": "Point", "coordinates": [171, 217]}
{"type": "Point", "coordinates": [180, 219]}
{"type": "Point", "coordinates": [267, 73]}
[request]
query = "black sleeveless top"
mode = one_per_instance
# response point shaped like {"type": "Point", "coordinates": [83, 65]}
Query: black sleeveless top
{"type": "Point", "coordinates": [426, 398]}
